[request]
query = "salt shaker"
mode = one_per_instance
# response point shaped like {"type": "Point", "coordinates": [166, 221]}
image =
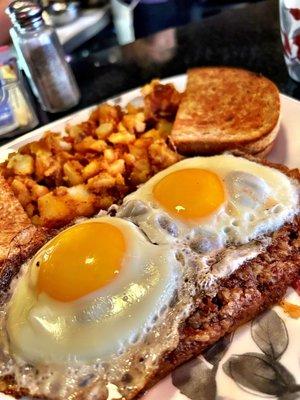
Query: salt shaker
{"type": "Point", "coordinates": [42, 57]}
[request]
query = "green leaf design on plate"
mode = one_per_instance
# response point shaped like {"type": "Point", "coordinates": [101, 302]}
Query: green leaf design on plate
{"type": "Point", "coordinates": [215, 353]}
{"type": "Point", "coordinates": [270, 334]}
{"type": "Point", "coordinates": [197, 379]}
{"type": "Point", "coordinates": [260, 373]}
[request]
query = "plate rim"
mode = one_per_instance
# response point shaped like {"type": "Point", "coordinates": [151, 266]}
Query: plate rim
{"type": "Point", "coordinates": [10, 145]}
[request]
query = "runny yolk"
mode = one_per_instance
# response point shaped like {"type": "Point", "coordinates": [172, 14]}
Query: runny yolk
{"type": "Point", "coordinates": [80, 260]}
{"type": "Point", "coordinates": [190, 194]}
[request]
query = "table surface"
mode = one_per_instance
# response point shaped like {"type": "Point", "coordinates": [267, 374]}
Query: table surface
{"type": "Point", "coordinates": [246, 37]}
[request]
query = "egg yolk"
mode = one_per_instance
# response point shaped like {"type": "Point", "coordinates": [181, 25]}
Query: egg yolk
{"type": "Point", "coordinates": [190, 194]}
{"type": "Point", "coordinates": [80, 260]}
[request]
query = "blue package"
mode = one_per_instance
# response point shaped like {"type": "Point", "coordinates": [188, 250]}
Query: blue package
{"type": "Point", "coordinates": [6, 113]}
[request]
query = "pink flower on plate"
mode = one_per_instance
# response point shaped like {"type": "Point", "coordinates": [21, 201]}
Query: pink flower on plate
{"type": "Point", "coordinates": [295, 13]}
{"type": "Point", "coordinates": [286, 45]}
{"type": "Point", "coordinates": [296, 41]}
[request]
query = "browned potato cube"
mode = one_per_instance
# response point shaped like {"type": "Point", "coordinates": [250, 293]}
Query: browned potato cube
{"type": "Point", "coordinates": [38, 191]}
{"type": "Point", "coordinates": [108, 113]}
{"type": "Point", "coordinates": [72, 171]}
{"type": "Point", "coordinates": [104, 201]}
{"type": "Point", "coordinates": [21, 164]}
{"type": "Point", "coordinates": [110, 155]}
{"type": "Point", "coordinates": [121, 138]}
{"type": "Point", "coordinates": [82, 199]}
{"type": "Point", "coordinates": [117, 167]}
{"type": "Point", "coordinates": [92, 168]}
{"type": "Point", "coordinates": [54, 210]}
{"type": "Point", "coordinates": [161, 155]}
{"type": "Point", "coordinates": [90, 144]}
{"type": "Point", "coordinates": [101, 182]}
{"type": "Point", "coordinates": [104, 130]}
{"type": "Point", "coordinates": [21, 191]}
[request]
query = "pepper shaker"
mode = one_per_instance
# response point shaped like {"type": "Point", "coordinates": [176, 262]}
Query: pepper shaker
{"type": "Point", "coordinates": [42, 57]}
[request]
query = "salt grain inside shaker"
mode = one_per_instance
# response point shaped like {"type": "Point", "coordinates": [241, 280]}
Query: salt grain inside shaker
{"type": "Point", "coordinates": [42, 57]}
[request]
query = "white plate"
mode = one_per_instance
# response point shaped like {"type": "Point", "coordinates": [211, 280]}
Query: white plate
{"type": "Point", "coordinates": [272, 369]}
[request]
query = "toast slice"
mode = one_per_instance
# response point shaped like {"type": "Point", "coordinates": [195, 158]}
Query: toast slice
{"type": "Point", "coordinates": [226, 109]}
{"type": "Point", "coordinates": [19, 239]}
{"type": "Point", "coordinates": [254, 287]}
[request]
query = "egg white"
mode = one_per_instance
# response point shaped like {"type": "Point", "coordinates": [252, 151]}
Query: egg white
{"type": "Point", "coordinates": [102, 323]}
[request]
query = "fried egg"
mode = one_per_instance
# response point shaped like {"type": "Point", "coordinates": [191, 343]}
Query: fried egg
{"type": "Point", "coordinates": [100, 280]}
{"type": "Point", "coordinates": [212, 202]}
{"type": "Point", "coordinates": [92, 305]}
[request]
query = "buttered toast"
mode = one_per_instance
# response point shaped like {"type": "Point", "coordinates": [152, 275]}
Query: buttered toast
{"type": "Point", "coordinates": [226, 109]}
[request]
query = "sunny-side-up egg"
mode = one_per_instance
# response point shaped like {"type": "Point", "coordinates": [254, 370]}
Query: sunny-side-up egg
{"type": "Point", "coordinates": [97, 302]}
{"type": "Point", "coordinates": [214, 203]}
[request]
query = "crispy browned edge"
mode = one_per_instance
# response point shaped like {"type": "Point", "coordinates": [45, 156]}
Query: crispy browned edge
{"type": "Point", "coordinates": [190, 348]}
{"type": "Point", "coordinates": [193, 145]}
{"type": "Point", "coordinates": [19, 238]}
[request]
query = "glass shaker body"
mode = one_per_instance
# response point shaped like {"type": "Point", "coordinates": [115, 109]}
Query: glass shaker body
{"type": "Point", "coordinates": [42, 58]}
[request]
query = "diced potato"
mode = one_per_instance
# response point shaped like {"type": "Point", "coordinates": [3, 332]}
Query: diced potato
{"type": "Point", "coordinates": [74, 131]}
{"type": "Point", "coordinates": [72, 171]}
{"type": "Point", "coordinates": [38, 191]}
{"type": "Point", "coordinates": [101, 182]}
{"type": "Point", "coordinates": [129, 122]}
{"type": "Point", "coordinates": [82, 199]}
{"type": "Point", "coordinates": [54, 173]}
{"type": "Point", "coordinates": [108, 113]}
{"type": "Point", "coordinates": [90, 144]}
{"type": "Point", "coordinates": [54, 210]}
{"type": "Point", "coordinates": [131, 109]}
{"type": "Point", "coordinates": [161, 155]}
{"type": "Point", "coordinates": [140, 124]}
{"type": "Point", "coordinates": [141, 171]}
{"type": "Point", "coordinates": [66, 146]}
{"type": "Point", "coordinates": [99, 146]}
{"type": "Point", "coordinates": [104, 130]}
{"type": "Point", "coordinates": [103, 202]}
{"type": "Point", "coordinates": [129, 159]}
{"type": "Point", "coordinates": [43, 162]}
{"type": "Point", "coordinates": [92, 168]}
{"type": "Point", "coordinates": [120, 181]}
{"type": "Point", "coordinates": [110, 155]}
{"type": "Point", "coordinates": [134, 122]}
{"type": "Point", "coordinates": [121, 138]}
{"type": "Point", "coordinates": [117, 167]}
{"type": "Point", "coordinates": [21, 191]}
{"type": "Point", "coordinates": [21, 164]}
{"type": "Point", "coordinates": [151, 134]}
{"type": "Point", "coordinates": [148, 88]}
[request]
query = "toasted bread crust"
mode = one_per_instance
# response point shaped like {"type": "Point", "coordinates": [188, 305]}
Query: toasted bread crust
{"type": "Point", "coordinates": [19, 239]}
{"type": "Point", "coordinates": [224, 108]}
{"type": "Point", "coordinates": [261, 283]}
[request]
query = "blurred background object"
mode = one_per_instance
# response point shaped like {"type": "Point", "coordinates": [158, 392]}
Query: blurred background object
{"type": "Point", "coordinates": [42, 57]}
{"type": "Point", "coordinates": [62, 13]}
{"type": "Point", "coordinates": [91, 30]}
{"type": "Point", "coordinates": [4, 23]}
{"type": "Point", "coordinates": [290, 34]}
{"type": "Point", "coordinates": [16, 112]}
